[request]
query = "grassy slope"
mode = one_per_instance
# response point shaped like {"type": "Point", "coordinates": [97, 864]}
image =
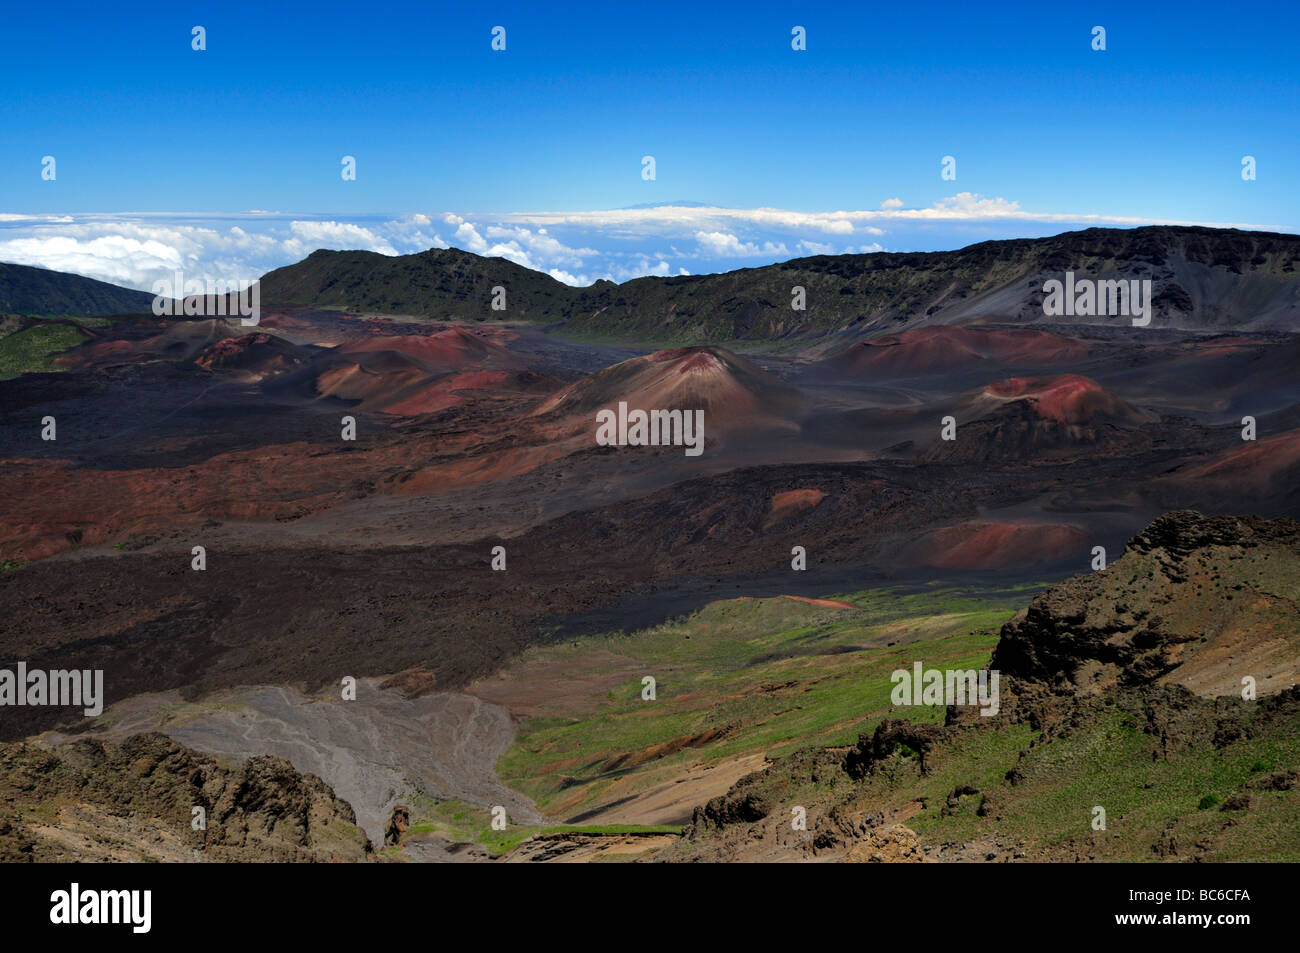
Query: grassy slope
{"type": "Point", "coordinates": [772, 675]}
{"type": "Point", "coordinates": [33, 350]}
{"type": "Point", "coordinates": [463, 823]}
{"type": "Point", "coordinates": [1157, 805]}
{"type": "Point", "coordinates": [768, 670]}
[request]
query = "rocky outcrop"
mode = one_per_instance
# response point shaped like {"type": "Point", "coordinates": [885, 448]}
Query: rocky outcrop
{"type": "Point", "coordinates": [1180, 533]}
{"type": "Point", "coordinates": [891, 735]}
{"type": "Point", "coordinates": [398, 824]}
{"type": "Point", "coordinates": [149, 798]}
{"type": "Point", "coordinates": [892, 845]}
{"type": "Point", "coordinates": [1195, 600]}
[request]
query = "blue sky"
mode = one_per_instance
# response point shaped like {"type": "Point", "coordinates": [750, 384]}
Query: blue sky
{"type": "Point", "coordinates": [176, 147]}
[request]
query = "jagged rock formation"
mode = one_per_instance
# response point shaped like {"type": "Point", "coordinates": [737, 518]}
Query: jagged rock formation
{"type": "Point", "coordinates": [135, 801]}
{"type": "Point", "coordinates": [1195, 600]}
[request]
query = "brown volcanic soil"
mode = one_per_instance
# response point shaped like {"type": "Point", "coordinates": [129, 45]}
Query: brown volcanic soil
{"type": "Point", "coordinates": [289, 616]}
{"type": "Point", "coordinates": [1264, 466]}
{"type": "Point", "coordinates": [1019, 431]}
{"type": "Point", "coordinates": [1220, 377]}
{"type": "Point", "coordinates": [473, 427]}
{"type": "Point", "coordinates": [51, 507]}
{"type": "Point", "coordinates": [244, 428]}
{"type": "Point", "coordinates": [1066, 416]}
{"type": "Point", "coordinates": [132, 342]}
{"type": "Point", "coordinates": [310, 615]}
{"type": "Point", "coordinates": [303, 584]}
{"type": "Point", "coordinates": [206, 438]}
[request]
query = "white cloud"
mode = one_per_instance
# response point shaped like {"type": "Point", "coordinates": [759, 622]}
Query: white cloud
{"type": "Point", "coordinates": [726, 245]}
{"type": "Point", "coordinates": [640, 267]}
{"type": "Point", "coordinates": [892, 203]}
{"type": "Point", "coordinates": [116, 258]}
{"type": "Point", "coordinates": [468, 238]}
{"type": "Point", "coordinates": [567, 278]}
{"type": "Point", "coordinates": [309, 236]}
{"type": "Point", "coordinates": [542, 245]}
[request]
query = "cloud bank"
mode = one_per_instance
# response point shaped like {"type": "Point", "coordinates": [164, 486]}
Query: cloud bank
{"type": "Point", "coordinates": [576, 247]}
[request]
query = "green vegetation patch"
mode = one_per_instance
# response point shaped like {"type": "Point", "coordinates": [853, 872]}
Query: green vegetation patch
{"type": "Point", "coordinates": [463, 823]}
{"type": "Point", "coordinates": [32, 350]}
{"type": "Point", "coordinates": [1044, 794]}
{"type": "Point", "coordinates": [742, 677]}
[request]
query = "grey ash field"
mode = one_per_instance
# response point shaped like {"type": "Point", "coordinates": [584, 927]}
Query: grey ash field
{"type": "Point", "coordinates": [1174, 446]}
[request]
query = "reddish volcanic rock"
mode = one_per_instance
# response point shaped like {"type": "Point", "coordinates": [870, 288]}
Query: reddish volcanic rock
{"type": "Point", "coordinates": [1258, 465]}
{"type": "Point", "coordinates": [404, 389]}
{"type": "Point", "coordinates": [793, 501]}
{"type": "Point", "coordinates": [454, 348]}
{"type": "Point", "coordinates": [939, 348]}
{"type": "Point", "coordinates": [279, 319]}
{"type": "Point", "coordinates": [732, 391]}
{"type": "Point", "coordinates": [457, 389]}
{"type": "Point", "coordinates": [259, 354]}
{"type": "Point", "coordinates": [178, 340]}
{"type": "Point", "coordinates": [50, 506]}
{"type": "Point", "coordinates": [421, 374]}
{"type": "Point", "coordinates": [984, 545]}
{"type": "Point", "coordinates": [105, 353]}
{"type": "Point", "coordinates": [1042, 418]}
{"type": "Point", "coordinates": [1069, 398]}
{"type": "Point", "coordinates": [371, 388]}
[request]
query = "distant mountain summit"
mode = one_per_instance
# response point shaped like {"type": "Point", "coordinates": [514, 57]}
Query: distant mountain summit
{"type": "Point", "coordinates": [443, 283]}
